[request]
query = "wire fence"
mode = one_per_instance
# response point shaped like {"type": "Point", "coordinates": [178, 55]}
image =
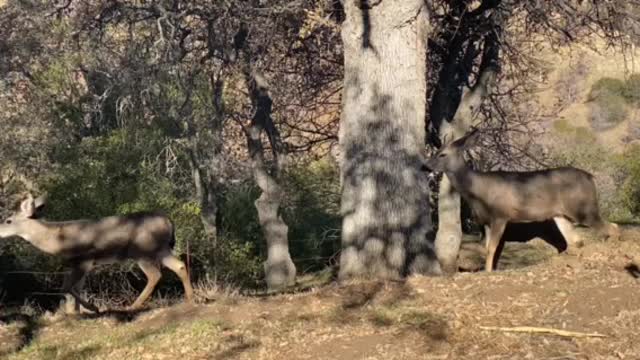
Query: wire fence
{"type": "Point", "coordinates": [48, 275]}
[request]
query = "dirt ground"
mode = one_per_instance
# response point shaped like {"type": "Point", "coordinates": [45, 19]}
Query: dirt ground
{"type": "Point", "coordinates": [592, 290]}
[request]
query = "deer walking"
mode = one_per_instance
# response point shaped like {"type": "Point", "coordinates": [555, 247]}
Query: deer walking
{"type": "Point", "coordinates": [147, 238]}
{"type": "Point", "coordinates": [567, 195]}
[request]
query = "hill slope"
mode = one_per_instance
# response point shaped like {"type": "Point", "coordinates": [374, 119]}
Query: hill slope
{"type": "Point", "coordinates": [572, 73]}
{"type": "Point", "coordinates": [592, 290]}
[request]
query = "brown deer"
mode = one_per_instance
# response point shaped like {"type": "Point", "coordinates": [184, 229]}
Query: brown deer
{"type": "Point", "coordinates": [147, 238]}
{"type": "Point", "coordinates": [567, 195]}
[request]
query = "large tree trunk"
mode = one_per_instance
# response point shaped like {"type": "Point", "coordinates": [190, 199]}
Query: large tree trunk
{"type": "Point", "coordinates": [449, 235]}
{"type": "Point", "coordinates": [280, 271]}
{"type": "Point", "coordinates": [385, 204]}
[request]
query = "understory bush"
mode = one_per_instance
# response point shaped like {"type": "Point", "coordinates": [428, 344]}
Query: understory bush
{"type": "Point", "coordinates": [112, 174]}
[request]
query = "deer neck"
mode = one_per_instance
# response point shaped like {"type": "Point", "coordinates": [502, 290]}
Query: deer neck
{"type": "Point", "coordinates": [462, 179]}
{"type": "Point", "coordinates": [41, 235]}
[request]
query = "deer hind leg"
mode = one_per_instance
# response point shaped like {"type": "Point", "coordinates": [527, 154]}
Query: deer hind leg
{"type": "Point", "coordinates": [178, 267]}
{"type": "Point", "coordinates": [493, 236]}
{"type": "Point", "coordinates": [72, 286]}
{"type": "Point", "coordinates": [609, 231]}
{"type": "Point", "coordinates": [152, 272]}
{"type": "Point", "coordinates": [70, 305]}
{"type": "Point", "coordinates": [568, 232]}
{"type": "Point", "coordinates": [613, 231]}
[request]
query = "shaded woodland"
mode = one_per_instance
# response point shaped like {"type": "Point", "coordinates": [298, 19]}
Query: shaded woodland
{"type": "Point", "coordinates": [262, 128]}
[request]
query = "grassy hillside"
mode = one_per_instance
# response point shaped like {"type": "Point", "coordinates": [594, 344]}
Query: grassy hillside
{"type": "Point", "coordinates": [571, 91]}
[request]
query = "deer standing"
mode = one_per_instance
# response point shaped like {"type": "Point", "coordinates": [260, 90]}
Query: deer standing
{"type": "Point", "coordinates": [567, 195]}
{"type": "Point", "coordinates": [147, 238]}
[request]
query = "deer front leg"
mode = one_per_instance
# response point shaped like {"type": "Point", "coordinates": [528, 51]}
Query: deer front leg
{"type": "Point", "coordinates": [153, 274]}
{"type": "Point", "coordinates": [493, 236]}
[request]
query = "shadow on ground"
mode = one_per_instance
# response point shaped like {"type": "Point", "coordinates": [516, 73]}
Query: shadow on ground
{"type": "Point", "coordinates": [517, 248]}
{"type": "Point", "coordinates": [25, 328]}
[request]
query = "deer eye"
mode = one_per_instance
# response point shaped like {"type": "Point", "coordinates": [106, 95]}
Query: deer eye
{"type": "Point", "coordinates": [8, 221]}
{"type": "Point", "coordinates": [442, 155]}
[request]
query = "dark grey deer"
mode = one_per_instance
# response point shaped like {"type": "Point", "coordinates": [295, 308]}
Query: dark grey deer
{"type": "Point", "coordinates": [147, 238]}
{"type": "Point", "coordinates": [566, 194]}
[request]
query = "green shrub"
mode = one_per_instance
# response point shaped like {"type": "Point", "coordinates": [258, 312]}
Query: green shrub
{"type": "Point", "coordinates": [241, 247]}
{"type": "Point", "coordinates": [630, 189]}
{"type": "Point", "coordinates": [608, 110]}
{"type": "Point", "coordinates": [607, 85]}
{"type": "Point", "coordinates": [312, 211]}
{"type": "Point", "coordinates": [236, 262]}
{"type": "Point", "coordinates": [238, 214]}
{"type": "Point", "coordinates": [632, 89]}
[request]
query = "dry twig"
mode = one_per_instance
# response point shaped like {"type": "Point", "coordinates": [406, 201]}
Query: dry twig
{"type": "Point", "coordinates": [533, 329]}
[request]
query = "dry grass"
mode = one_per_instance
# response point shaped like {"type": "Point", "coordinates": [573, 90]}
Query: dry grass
{"type": "Point", "coordinates": [592, 290]}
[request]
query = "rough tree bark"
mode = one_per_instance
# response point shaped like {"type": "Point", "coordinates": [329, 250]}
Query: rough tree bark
{"type": "Point", "coordinates": [449, 235]}
{"type": "Point", "coordinates": [279, 269]}
{"type": "Point", "coordinates": [385, 204]}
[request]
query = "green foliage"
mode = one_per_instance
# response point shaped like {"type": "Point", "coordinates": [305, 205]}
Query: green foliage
{"type": "Point", "coordinates": [100, 175]}
{"type": "Point", "coordinates": [312, 211]}
{"type": "Point", "coordinates": [237, 262]}
{"type": "Point", "coordinates": [238, 215]}
{"type": "Point", "coordinates": [608, 111]}
{"type": "Point", "coordinates": [632, 89]}
{"type": "Point", "coordinates": [611, 99]}
{"type": "Point", "coordinates": [115, 173]}
{"type": "Point", "coordinates": [57, 77]}
{"type": "Point", "coordinates": [608, 85]}
{"type": "Point", "coordinates": [630, 190]}
{"type": "Point", "coordinates": [628, 90]}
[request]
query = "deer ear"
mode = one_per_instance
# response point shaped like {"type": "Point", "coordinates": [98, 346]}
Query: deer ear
{"type": "Point", "coordinates": [469, 140]}
{"type": "Point", "coordinates": [28, 207]}
{"type": "Point", "coordinates": [446, 139]}
{"type": "Point", "coordinates": [40, 201]}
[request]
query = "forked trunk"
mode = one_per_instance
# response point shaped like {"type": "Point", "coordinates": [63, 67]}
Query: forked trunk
{"type": "Point", "coordinates": [449, 235]}
{"type": "Point", "coordinates": [385, 204]}
{"type": "Point", "coordinates": [280, 271]}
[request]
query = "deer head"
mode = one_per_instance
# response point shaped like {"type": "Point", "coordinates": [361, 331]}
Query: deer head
{"type": "Point", "coordinates": [14, 225]}
{"type": "Point", "coordinates": [449, 157]}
